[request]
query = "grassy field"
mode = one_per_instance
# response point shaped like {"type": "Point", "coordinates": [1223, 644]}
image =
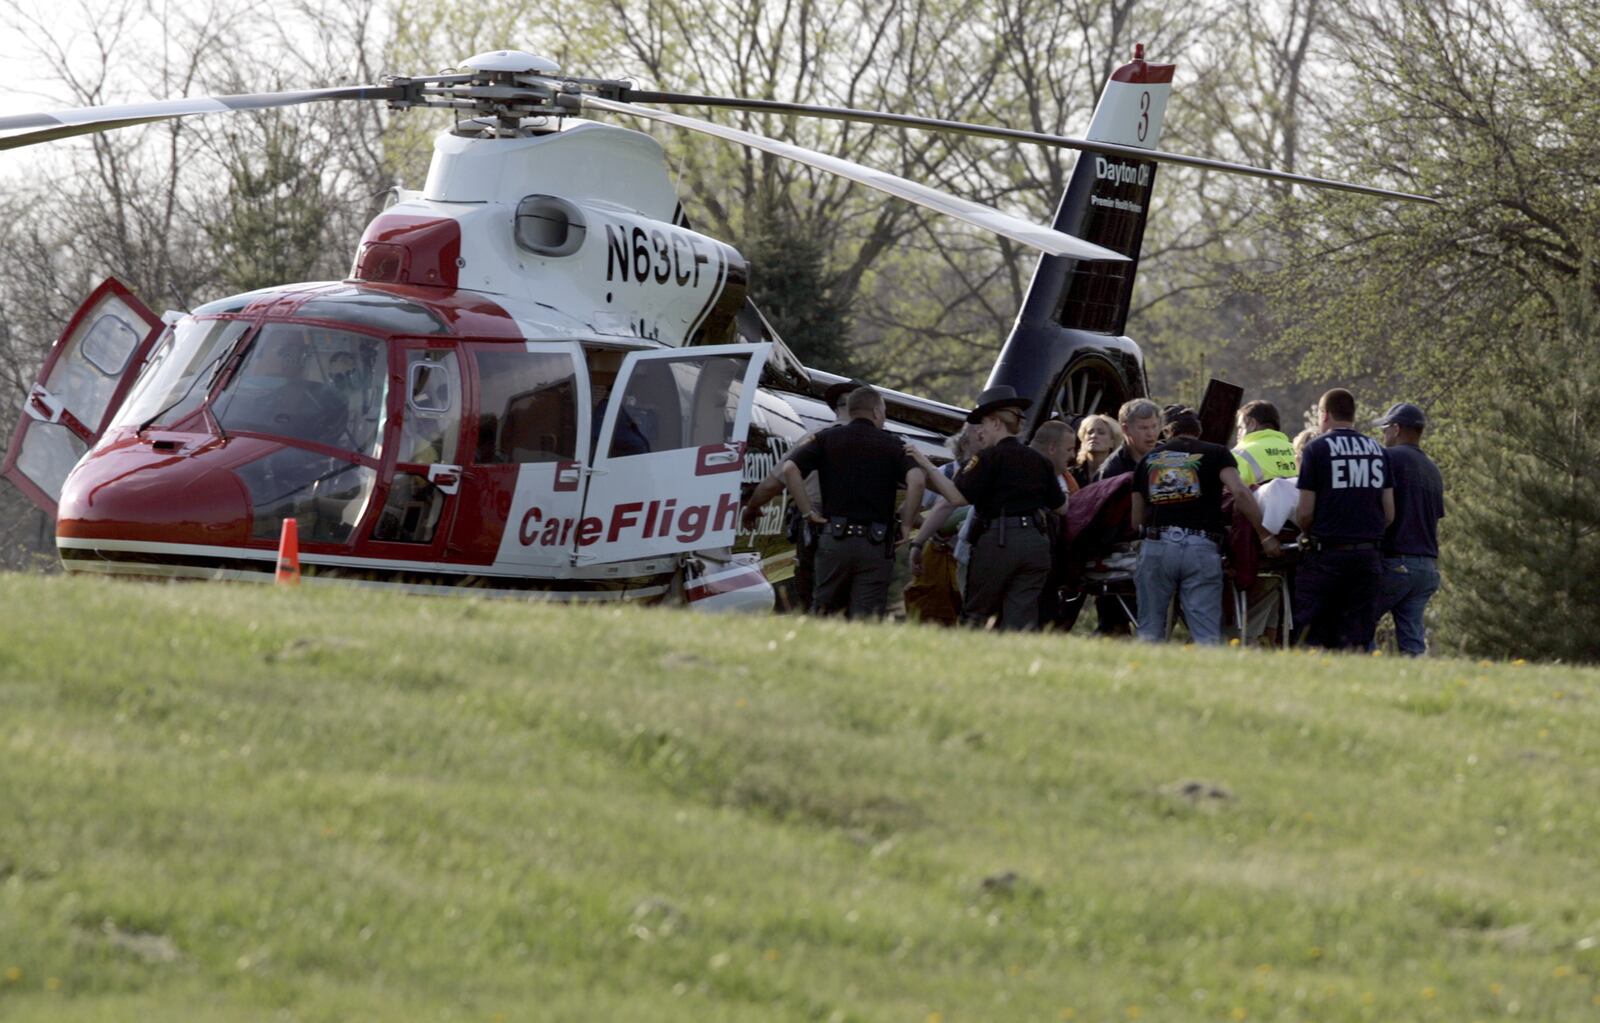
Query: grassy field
{"type": "Point", "coordinates": [241, 804]}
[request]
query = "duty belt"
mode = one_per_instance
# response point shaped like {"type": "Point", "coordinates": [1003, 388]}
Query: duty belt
{"type": "Point", "coordinates": [857, 528]}
{"type": "Point", "coordinates": [1366, 545]}
{"type": "Point", "coordinates": [878, 532]}
{"type": "Point", "coordinates": [1157, 532]}
{"type": "Point", "coordinates": [1033, 520]}
{"type": "Point", "coordinates": [1030, 521]}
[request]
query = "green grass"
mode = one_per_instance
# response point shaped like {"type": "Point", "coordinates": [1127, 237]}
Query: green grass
{"type": "Point", "coordinates": [223, 803]}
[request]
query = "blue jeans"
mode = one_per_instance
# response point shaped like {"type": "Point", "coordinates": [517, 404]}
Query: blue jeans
{"type": "Point", "coordinates": [1191, 567]}
{"type": "Point", "coordinates": [1408, 583]}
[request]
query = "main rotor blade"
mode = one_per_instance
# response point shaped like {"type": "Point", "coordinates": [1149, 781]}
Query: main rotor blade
{"type": "Point", "coordinates": [1012, 135]}
{"type": "Point", "coordinates": [1053, 242]}
{"type": "Point", "coordinates": [59, 124]}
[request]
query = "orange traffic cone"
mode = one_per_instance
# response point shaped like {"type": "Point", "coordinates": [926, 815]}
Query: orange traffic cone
{"type": "Point", "coordinates": [289, 554]}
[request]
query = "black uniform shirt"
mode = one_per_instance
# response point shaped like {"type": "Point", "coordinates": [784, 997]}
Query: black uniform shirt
{"type": "Point", "coordinates": [1010, 479]}
{"type": "Point", "coordinates": [1418, 503]}
{"type": "Point", "coordinates": [1348, 471]}
{"type": "Point", "coordinates": [860, 467]}
{"type": "Point", "coordinates": [1181, 481]}
{"type": "Point", "coordinates": [1119, 463]}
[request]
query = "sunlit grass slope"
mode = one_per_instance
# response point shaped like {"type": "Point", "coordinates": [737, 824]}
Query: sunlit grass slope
{"type": "Point", "coordinates": [225, 803]}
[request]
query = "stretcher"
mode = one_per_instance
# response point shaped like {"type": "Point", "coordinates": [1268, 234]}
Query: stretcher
{"type": "Point", "coordinates": [1278, 570]}
{"type": "Point", "coordinates": [1111, 575]}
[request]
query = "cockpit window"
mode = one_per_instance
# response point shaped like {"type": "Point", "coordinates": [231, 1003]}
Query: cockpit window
{"type": "Point", "coordinates": [374, 309]}
{"type": "Point", "coordinates": [180, 371]}
{"type": "Point", "coordinates": [310, 383]}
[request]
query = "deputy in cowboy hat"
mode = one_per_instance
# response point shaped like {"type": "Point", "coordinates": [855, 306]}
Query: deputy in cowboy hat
{"type": "Point", "coordinates": [1011, 487]}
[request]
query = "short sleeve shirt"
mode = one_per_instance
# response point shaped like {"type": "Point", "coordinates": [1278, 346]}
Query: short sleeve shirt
{"type": "Point", "coordinates": [860, 467]}
{"type": "Point", "coordinates": [1010, 478]}
{"type": "Point", "coordinates": [1418, 503]}
{"type": "Point", "coordinates": [1348, 471]}
{"type": "Point", "coordinates": [1120, 463]}
{"type": "Point", "coordinates": [1181, 481]}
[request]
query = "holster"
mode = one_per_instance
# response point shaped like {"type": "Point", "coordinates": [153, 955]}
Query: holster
{"type": "Point", "coordinates": [980, 526]}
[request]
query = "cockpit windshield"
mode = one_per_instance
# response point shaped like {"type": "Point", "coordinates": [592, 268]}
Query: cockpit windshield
{"type": "Point", "coordinates": [311, 383]}
{"type": "Point", "coordinates": [180, 372]}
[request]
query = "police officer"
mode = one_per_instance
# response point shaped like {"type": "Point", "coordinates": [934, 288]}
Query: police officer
{"type": "Point", "coordinates": [860, 466]}
{"type": "Point", "coordinates": [1346, 504]}
{"type": "Point", "coordinates": [800, 532]}
{"type": "Point", "coordinates": [1011, 488]}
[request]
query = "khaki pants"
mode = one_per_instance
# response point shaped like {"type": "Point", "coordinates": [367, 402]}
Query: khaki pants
{"type": "Point", "coordinates": [933, 596]}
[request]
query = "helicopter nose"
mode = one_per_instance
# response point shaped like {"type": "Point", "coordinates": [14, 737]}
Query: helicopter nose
{"type": "Point", "coordinates": [141, 495]}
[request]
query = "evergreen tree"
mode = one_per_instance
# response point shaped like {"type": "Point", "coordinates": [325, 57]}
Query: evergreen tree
{"type": "Point", "coordinates": [790, 282]}
{"type": "Point", "coordinates": [272, 221]}
{"type": "Point", "coordinates": [1522, 561]}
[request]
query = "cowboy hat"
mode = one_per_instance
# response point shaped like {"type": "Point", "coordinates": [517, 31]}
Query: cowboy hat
{"type": "Point", "coordinates": [995, 399]}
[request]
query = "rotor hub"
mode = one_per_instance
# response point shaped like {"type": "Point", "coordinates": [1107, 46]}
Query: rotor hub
{"type": "Point", "coordinates": [498, 91]}
{"type": "Point", "coordinates": [516, 62]}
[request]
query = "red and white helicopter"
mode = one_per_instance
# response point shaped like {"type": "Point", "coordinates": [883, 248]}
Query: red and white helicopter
{"type": "Point", "coordinates": [537, 378]}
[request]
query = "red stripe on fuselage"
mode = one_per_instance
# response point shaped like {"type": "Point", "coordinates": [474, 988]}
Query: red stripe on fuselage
{"type": "Point", "coordinates": [731, 582]}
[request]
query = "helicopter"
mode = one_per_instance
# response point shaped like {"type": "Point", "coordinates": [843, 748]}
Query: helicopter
{"type": "Point", "coordinates": [537, 379]}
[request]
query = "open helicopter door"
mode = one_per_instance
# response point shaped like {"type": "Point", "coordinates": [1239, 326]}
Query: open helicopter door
{"type": "Point", "coordinates": [82, 384]}
{"type": "Point", "coordinates": [419, 504]}
{"type": "Point", "coordinates": [670, 454]}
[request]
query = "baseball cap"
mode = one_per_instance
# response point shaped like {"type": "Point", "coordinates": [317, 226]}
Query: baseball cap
{"type": "Point", "coordinates": [1174, 415]}
{"type": "Point", "coordinates": [1403, 414]}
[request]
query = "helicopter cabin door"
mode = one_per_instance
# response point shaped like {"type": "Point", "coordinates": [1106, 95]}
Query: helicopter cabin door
{"type": "Point", "coordinates": [669, 456]}
{"type": "Point", "coordinates": [525, 477]}
{"type": "Point", "coordinates": [419, 502]}
{"type": "Point", "coordinates": [79, 389]}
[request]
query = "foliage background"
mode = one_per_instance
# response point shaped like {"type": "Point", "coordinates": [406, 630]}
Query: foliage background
{"type": "Point", "coordinates": [1488, 106]}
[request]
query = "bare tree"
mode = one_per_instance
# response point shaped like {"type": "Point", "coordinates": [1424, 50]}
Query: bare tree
{"type": "Point", "coordinates": [153, 205]}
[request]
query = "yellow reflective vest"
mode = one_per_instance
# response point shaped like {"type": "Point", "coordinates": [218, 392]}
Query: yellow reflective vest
{"type": "Point", "coordinates": [1265, 455]}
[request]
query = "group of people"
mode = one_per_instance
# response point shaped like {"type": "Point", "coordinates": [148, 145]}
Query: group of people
{"type": "Point", "coordinates": [1005, 525]}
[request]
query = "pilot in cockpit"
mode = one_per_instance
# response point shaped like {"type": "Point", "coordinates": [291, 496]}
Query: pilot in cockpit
{"type": "Point", "coordinates": [274, 395]}
{"type": "Point", "coordinates": [627, 438]}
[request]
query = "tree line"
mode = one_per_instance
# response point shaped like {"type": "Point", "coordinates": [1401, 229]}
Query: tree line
{"type": "Point", "coordinates": [1479, 309]}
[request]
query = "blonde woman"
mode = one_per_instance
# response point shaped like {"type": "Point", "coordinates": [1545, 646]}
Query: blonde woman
{"type": "Point", "coordinates": [1301, 439]}
{"type": "Point", "coordinates": [1098, 436]}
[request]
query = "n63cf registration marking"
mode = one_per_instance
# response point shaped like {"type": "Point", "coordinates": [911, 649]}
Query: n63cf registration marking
{"type": "Point", "coordinates": [659, 253]}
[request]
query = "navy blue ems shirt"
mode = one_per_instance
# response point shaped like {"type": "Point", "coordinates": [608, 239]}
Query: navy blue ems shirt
{"type": "Point", "coordinates": [1348, 471]}
{"type": "Point", "coordinates": [1418, 504]}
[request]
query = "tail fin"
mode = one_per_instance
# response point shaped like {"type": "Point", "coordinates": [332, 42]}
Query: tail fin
{"type": "Point", "coordinates": [1076, 311]}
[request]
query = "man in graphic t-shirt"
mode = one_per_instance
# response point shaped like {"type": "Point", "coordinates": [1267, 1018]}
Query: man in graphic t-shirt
{"type": "Point", "coordinates": [1346, 504]}
{"type": "Point", "coordinates": [1177, 502]}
